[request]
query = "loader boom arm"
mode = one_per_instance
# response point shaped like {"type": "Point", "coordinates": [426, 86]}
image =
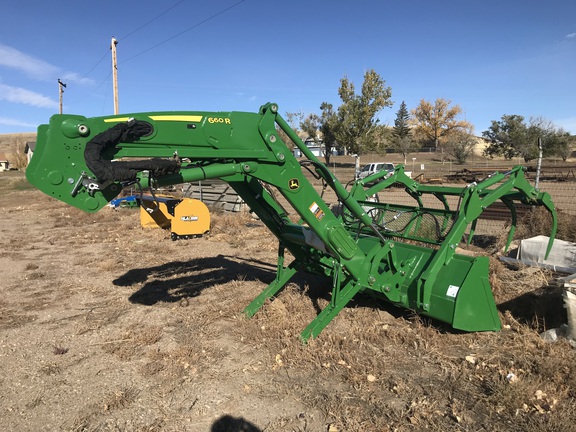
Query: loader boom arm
{"type": "Point", "coordinates": [73, 163]}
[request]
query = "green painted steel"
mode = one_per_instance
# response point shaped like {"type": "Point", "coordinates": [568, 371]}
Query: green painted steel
{"type": "Point", "coordinates": [406, 255]}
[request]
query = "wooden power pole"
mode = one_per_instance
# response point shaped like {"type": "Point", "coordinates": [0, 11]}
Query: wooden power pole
{"type": "Point", "coordinates": [61, 87]}
{"type": "Point", "coordinates": [114, 74]}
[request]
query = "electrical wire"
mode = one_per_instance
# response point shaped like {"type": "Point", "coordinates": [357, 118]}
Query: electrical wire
{"type": "Point", "coordinates": [124, 38]}
{"type": "Point", "coordinates": [151, 21]}
{"type": "Point", "coordinates": [97, 63]}
{"type": "Point", "coordinates": [185, 31]}
{"type": "Point", "coordinates": [157, 45]}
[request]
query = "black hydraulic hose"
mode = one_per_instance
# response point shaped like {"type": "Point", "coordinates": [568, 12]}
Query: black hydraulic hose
{"type": "Point", "coordinates": [105, 169]}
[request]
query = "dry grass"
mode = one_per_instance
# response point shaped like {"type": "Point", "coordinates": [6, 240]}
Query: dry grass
{"type": "Point", "coordinates": [168, 315]}
{"type": "Point", "coordinates": [538, 222]}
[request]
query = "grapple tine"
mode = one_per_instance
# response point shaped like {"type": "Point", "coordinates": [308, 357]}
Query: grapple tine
{"type": "Point", "coordinates": [513, 223]}
{"type": "Point", "coordinates": [546, 201]}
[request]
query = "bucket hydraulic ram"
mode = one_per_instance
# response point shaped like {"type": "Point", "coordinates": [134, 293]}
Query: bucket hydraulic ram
{"type": "Point", "coordinates": [404, 254]}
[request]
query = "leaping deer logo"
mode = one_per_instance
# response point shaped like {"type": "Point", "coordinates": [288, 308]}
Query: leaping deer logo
{"type": "Point", "coordinates": [293, 184]}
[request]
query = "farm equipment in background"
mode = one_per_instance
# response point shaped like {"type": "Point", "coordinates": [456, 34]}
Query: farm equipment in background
{"type": "Point", "coordinates": [404, 254]}
{"type": "Point", "coordinates": [184, 217]}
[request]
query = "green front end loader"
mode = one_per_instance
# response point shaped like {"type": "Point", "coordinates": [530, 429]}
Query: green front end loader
{"type": "Point", "coordinates": [404, 254]}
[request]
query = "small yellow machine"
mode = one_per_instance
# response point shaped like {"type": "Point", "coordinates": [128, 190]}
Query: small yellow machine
{"type": "Point", "coordinates": [185, 218]}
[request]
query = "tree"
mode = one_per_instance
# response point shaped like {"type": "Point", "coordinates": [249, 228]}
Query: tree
{"type": "Point", "coordinates": [460, 145]}
{"type": "Point", "coordinates": [328, 127]}
{"type": "Point", "coordinates": [568, 143]}
{"type": "Point", "coordinates": [356, 117]}
{"type": "Point", "coordinates": [505, 136]}
{"type": "Point", "coordinates": [18, 158]}
{"type": "Point", "coordinates": [293, 120]}
{"type": "Point", "coordinates": [310, 126]}
{"type": "Point", "coordinates": [401, 123]}
{"type": "Point", "coordinates": [381, 139]}
{"type": "Point", "coordinates": [555, 141]}
{"type": "Point", "coordinates": [401, 133]}
{"type": "Point", "coordinates": [436, 122]}
{"type": "Point", "coordinates": [512, 137]}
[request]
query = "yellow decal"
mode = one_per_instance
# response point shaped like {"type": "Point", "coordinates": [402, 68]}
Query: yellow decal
{"type": "Point", "coordinates": [177, 117]}
{"type": "Point", "coordinates": [165, 117]}
{"type": "Point", "coordinates": [117, 119]}
{"type": "Point", "coordinates": [223, 120]}
{"type": "Point", "coordinates": [293, 184]}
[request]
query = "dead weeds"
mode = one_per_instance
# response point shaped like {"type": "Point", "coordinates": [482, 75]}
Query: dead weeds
{"type": "Point", "coordinates": [132, 331]}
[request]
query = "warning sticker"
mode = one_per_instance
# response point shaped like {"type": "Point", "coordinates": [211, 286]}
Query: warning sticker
{"type": "Point", "coordinates": [318, 213]}
{"type": "Point", "coordinates": [452, 291]}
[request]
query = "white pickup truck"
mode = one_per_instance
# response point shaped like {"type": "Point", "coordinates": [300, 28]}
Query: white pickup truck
{"type": "Point", "coordinates": [374, 167]}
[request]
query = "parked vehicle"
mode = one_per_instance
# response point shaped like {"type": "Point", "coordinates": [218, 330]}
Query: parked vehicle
{"type": "Point", "coordinates": [372, 168]}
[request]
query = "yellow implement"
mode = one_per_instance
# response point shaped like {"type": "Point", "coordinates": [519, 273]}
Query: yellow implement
{"type": "Point", "coordinates": [185, 218]}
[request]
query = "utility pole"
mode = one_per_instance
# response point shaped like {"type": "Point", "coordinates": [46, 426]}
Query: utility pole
{"type": "Point", "coordinates": [61, 87]}
{"type": "Point", "coordinates": [114, 74]}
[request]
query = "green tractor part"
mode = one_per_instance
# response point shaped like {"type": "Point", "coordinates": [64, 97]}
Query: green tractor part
{"type": "Point", "coordinates": [405, 254]}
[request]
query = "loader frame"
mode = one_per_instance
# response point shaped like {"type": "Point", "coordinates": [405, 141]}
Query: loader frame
{"type": "Point", "coordinates": [406, 255]}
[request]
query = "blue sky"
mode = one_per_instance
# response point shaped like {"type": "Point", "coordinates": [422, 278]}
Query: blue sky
{"type": "Point", "coordinates": [490, 57]}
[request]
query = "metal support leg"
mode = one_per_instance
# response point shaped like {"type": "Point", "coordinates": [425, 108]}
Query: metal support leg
{"type": "Point", "coordinates": [340, 298]}
{"type": "Point", "coordinates": [283, 275]}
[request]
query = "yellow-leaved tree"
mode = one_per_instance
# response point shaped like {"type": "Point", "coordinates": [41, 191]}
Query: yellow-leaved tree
{"type": "Point", "coordinates": [438, 122]}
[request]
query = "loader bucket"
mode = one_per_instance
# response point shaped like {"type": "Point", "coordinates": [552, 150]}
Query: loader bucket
{"type": "Point", "coordinates": [462, 296]}
{"type": "Point", "coordinates": [455, 290]}
{"type": "Point", "coordinates": [475, 309]}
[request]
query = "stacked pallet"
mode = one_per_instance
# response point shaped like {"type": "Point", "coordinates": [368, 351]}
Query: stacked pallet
{"type": "Point", "coordinates": [216, 194]}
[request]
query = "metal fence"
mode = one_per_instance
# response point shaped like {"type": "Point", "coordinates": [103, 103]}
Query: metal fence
{"type": "Point", "coordinates": [556, 177]}
{"type": "Point", "coordinates": [559, 183]}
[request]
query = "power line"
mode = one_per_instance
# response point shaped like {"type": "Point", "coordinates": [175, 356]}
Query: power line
{"type": "Point", "coordinates": [151, 21]}
{"type": "Point", "coordinates": [125, 37]}
{"type": "Point", "coordinates": [185, 31]}
{"type": "Point", "coordinates": [128, 35]}
{"type": "Point", "coordinates": [158, 44]}
{"type": "Point", "coordinates": [97, 63]}
{"type": "Point", "coordinates": [78, 99]}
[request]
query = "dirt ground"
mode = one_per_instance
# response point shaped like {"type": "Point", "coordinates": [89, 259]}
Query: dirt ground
{"type": "Point", "coordinates": [105, 326]}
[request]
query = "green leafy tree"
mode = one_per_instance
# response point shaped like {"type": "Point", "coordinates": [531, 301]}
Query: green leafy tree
{"type": "Point", "coordinates": [569, 143]}
{"type": "Point", "coordinates": [435, 123]}
{"type": "Point", "coordinates": [311, 125]}
{"type": "Point", "coordinates": [555, 141]}
{"type": "Point", "coordinates": [512, 137]}
{"type": "Point", "coordinates": [357, 115]}
{"type": "Point", "coordinates": [402, 122]}
{"type": "Point", "coordinates": [381, 139]}
{"type": "Point", "coordinates": [401, 133]}
{"type": "Point", "coordinates": [328, 128]}
{"type": "Point", "coordinates": [506, 136]}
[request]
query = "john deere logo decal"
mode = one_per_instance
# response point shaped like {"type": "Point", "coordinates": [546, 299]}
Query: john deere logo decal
{"type": "Point", "coordinates": [293, 184]}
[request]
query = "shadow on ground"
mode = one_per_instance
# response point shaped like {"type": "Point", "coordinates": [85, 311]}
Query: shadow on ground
{"type": "Point", "coordinates": [542, 308]}
{"type": "Point", "coordinates": [172, 282]}
{"type": "Point", "coordinates": [228, 423]}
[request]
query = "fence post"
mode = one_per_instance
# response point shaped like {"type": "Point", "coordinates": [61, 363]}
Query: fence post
{"type": "Point", "coordinates": [539, 165]}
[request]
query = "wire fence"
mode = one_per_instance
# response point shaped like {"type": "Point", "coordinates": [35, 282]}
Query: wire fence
{"type": "Point", "coordinates": [558, 178]}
